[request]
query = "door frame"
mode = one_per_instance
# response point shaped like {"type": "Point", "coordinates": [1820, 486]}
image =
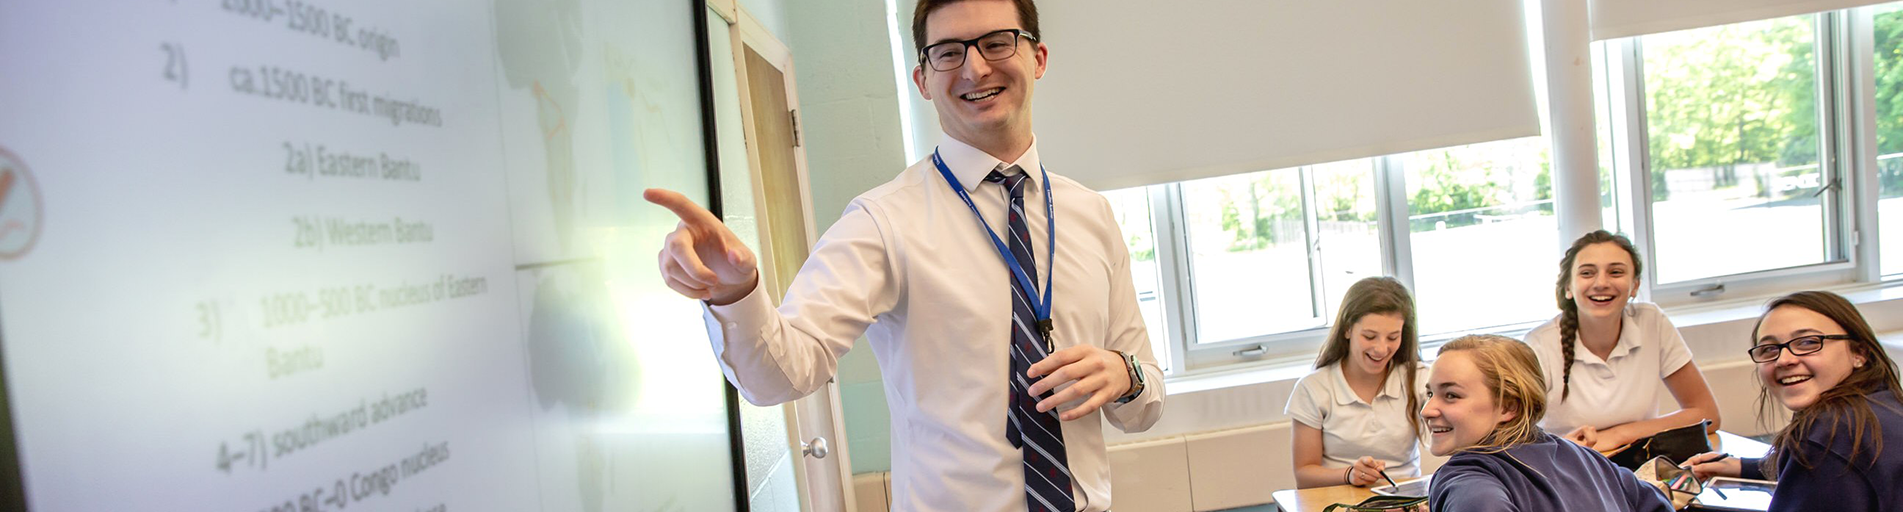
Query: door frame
{"type": "Point", "coordinates": [749, 34]}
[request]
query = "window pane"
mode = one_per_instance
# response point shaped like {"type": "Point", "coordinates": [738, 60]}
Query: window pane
{"type": "Point", "coordinates": [1731, 115]}
{"type": "Point", "coordinates": [1889, 107]}
{"type": "Point", "coordinates": [1248, 248]}
{"type": "Point", "coordinates": [1132, 207]}
{"type": "Point", "coordinates": [1602, 119]}
{"type": "Point", "coordinates": [1348, 238]}
{"type": "Point", "coordinates": [1484, 237]}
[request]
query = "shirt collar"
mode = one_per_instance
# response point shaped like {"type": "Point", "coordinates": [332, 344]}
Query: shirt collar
{"type": "Point", "coordinates": [1345, 395]}
{"type": "Point", "coordinates": [1627, 344]}
{"type": "Point", "coordinates": [970, 165]}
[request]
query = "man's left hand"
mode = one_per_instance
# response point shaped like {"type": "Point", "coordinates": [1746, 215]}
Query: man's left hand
{"type": "Point", "coordinates": [1092, 372]}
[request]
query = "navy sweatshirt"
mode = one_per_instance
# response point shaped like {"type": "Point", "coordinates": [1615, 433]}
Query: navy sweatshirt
{"type": "Point", "coordinates": [1550, 474]}
{"type": "Point", "coordinates": [1834, 482]}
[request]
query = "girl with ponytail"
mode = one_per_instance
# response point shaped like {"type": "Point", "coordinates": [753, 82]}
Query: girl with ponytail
{"type": "Point", "coordinates": [1607, 359]}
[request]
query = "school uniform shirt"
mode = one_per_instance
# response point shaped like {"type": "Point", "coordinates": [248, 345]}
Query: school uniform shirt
{"type": "Point", "coordinates": [1547, 475]}
{"type": "Point", "coordinates": [1622, 388]}
{"type": "Point", "coordinates": [909, 266]}
{"type": "Point", "coordinates": [1353, 428]}
{"type": "Point", "coordinates": [1835, 481]}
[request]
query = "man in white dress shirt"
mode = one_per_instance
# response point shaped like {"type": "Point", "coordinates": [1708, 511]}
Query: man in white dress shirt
{"type": "Point", "coordinates": [909, 266]}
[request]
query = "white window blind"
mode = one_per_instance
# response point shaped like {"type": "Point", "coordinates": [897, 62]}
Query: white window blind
{"type": "Point", "coordinates": [1626, 18]}
{"type": "Point", "coordinates": [1145, 92]}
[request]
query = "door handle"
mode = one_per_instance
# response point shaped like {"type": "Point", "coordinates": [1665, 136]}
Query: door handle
{"type": "Point", "coordinates": [815, 448]}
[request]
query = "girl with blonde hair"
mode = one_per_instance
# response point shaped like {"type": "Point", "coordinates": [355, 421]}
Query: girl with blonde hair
{"type": "Point", "coordinates": [1485, 397]}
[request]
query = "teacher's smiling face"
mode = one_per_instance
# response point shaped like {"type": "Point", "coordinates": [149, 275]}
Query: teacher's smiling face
{"type": "Point", "coordinates": [978, 98]}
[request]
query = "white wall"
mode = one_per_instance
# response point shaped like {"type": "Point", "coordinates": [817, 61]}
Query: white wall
{"type": "Point", "coordinates": [850, 120]}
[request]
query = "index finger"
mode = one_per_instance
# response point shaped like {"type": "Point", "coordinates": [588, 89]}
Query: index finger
{"type": "Point", "coordinates": [1052, 362]}
{"type": "Point", "coordinates": [681, 206]}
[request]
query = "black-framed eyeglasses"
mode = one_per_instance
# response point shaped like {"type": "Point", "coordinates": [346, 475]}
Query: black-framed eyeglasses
{"type": "Point", "coordinates": [994, 46]}
{"type": "Point", "coordinates": [1801, 345]}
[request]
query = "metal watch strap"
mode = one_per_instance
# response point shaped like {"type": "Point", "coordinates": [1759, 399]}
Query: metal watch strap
{"type": "Point", "coordinates": [1136, 377]}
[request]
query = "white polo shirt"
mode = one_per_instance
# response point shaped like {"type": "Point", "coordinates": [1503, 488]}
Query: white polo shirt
{"type": "Point", "coordinates": [1623, 388]}
{"type": "Point", "coordinates": [1352, 428]}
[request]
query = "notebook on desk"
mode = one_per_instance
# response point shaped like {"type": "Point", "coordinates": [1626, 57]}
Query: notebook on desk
{"type": "Point", "coordinates": [1409, 487]}
{"type": "Point", "coordinates": [1735, 494]}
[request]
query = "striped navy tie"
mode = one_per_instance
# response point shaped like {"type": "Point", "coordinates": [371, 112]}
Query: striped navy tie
{"type": "Point", "coordinates": [1038, 434]}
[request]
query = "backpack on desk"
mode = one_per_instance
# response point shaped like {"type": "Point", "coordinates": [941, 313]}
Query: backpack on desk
{"type": "Point", "coordinates": [1676, 444]}
{"type": "Point", "coordinates": [1383, 504]}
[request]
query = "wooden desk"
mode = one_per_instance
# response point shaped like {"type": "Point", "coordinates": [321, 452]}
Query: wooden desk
{"type": "Point", "coordinates": [1316, 499]}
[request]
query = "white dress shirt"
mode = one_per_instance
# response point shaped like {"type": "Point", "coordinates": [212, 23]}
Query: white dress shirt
{"type": "Point", "coordinates": [1622, 388]}
{"type": "Point", "coordinates": [1353, 428]}
{"type": "Point", "coordinates": [909, 266]}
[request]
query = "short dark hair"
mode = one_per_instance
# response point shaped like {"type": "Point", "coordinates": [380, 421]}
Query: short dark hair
{"type": "Point", "coordinates": [1027, 16]}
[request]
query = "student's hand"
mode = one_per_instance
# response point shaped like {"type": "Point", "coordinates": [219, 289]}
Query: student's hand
{"type": "Point", "coordinates": [1615, 437]}
{"type": "Point", "coordinates": [1092, 372]}
{"type": "Point", "coordinates": [702, 259]}
{"type": "Point", "coordinates": [1366, 472]}
{"type": "Point", "coordinates": [1702, 467]}
{"type": "Point", "coordinates": [1585, 436]}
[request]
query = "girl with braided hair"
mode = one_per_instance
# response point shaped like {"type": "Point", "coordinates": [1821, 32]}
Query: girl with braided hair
{"type": "Point", "coordinates": [1607, 359]}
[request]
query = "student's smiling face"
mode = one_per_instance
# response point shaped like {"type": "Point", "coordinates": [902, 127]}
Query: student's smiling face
{"type": "Point", "coordinates": [1603, 280]}
{"type": "Point", "coordinates": [1460, 410]}
{"type": "Point", "coordinates": [1373, 340]}
{"type": "Point", "coordinates": [1797, 381]}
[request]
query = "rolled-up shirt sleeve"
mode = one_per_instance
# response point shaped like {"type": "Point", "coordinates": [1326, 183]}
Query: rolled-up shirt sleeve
{"type": "Point", "coordinates": [778, 355]}
{"type": "Point", "coordinates": [1127, 334]}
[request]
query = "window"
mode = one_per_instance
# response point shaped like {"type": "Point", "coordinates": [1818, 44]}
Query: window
{"type": "Point", "coordinates": [1708, 140]}
{"type": "Point", "coordinates": [1482, 230]}
{"type": "Point", "coordinates": [1732, 133]}
{"type": "Point", "coordinates": [1273, 252]}
{"type": "Point", "coordinates": [1888, 33]}
{"type": "Point", "coordinates": [1248, 255]}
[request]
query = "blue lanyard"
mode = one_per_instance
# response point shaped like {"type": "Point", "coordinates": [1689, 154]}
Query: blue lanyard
{"type": "Point", "coordinates": [1041, 307]}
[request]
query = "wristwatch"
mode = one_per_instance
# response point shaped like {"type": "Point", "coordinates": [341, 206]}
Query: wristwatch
{"type": "Point", "coordinates": [1136, 377]}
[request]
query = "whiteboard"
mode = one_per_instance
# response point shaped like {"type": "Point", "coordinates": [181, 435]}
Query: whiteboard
{"type": "Point", "coordinates": [275, 255]}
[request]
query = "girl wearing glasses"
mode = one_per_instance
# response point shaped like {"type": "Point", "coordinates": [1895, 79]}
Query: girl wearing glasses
{"type": "Point", "coordinates": [1843, 449]}
{"type": "Point", "coordinates": [1356, 415]}
{"type": "Point", "coordinates": [1484, 397]}
{"type": "Point", "coordinates": [1607, 359]}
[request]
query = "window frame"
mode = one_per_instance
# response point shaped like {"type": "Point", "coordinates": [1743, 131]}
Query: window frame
{"type": "Point", "coordinates": [1847, 154]}
{"type": "Point", "coordinates": [1625, 77]}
